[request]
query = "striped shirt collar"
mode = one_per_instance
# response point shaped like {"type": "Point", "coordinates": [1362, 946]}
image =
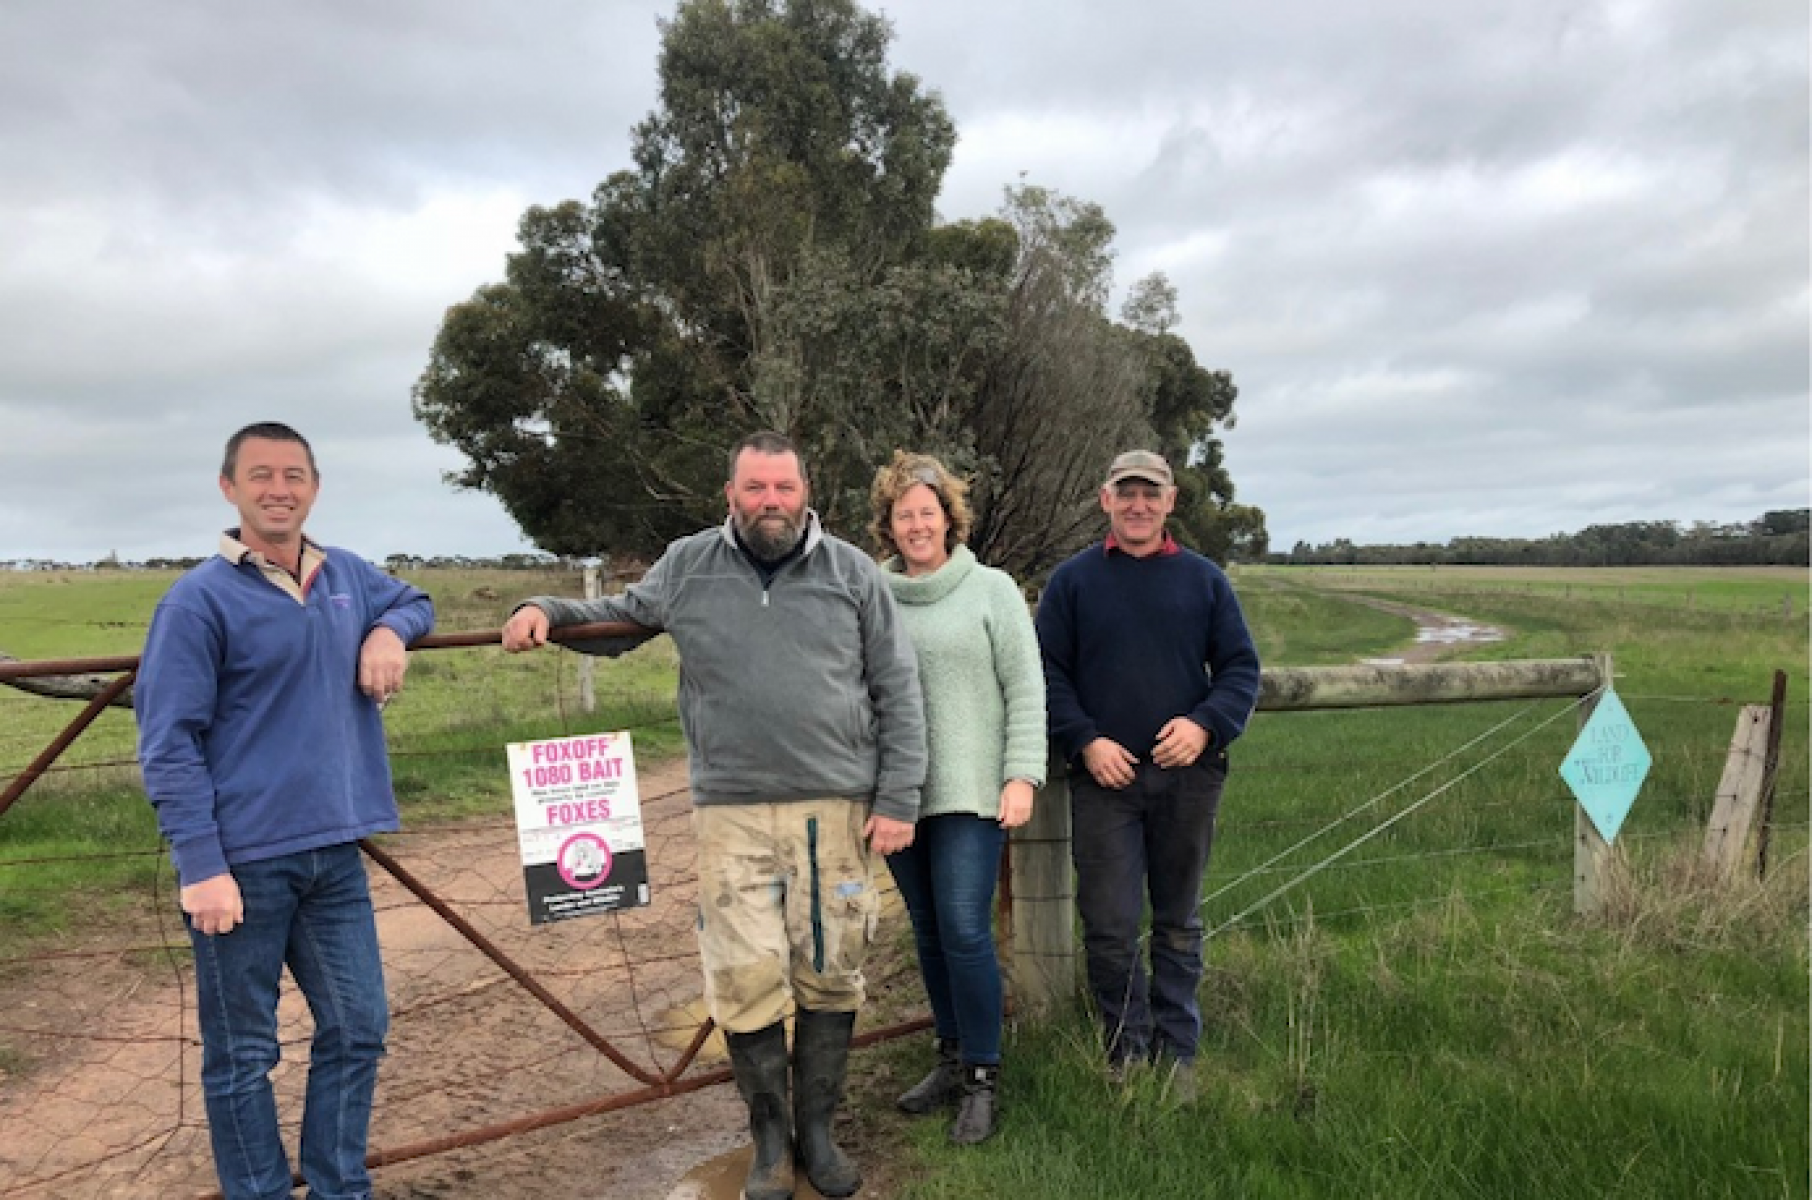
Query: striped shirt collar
{"type": "Point", "coordinates": [237, 552]}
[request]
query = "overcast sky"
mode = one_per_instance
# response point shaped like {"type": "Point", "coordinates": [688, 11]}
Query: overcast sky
{"type": "Point", "coordinates": [1501, 269]}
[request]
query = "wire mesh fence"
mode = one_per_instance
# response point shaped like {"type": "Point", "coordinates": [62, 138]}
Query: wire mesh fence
{"type": "Point", "coordinates": [104, 1059]}
{"type": "Point", "coordinates": [494, 1023]}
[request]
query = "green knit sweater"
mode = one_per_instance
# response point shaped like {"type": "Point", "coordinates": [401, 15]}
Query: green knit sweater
{"type": "Point", "coordinates": [983, 682]}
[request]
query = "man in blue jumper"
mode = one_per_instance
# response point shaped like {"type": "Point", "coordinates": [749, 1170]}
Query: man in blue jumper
{"type": "Point", "coordinates": [262, 748]}
{"type": "Point", "coordinates": [1151, 674]}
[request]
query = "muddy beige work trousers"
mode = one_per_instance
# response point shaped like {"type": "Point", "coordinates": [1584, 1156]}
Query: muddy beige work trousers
{"type": "Point", "coordinates": [786, 908]}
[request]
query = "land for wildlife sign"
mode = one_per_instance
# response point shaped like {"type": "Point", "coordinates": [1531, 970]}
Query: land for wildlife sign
{"type": "Point", "coordinates": [1606, 766]}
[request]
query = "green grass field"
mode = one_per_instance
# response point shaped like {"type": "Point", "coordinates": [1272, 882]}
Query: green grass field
{"type": "Point", "coordinates": [1424, 1016]}
{"type": "Point", "coordinates": [1764, 591]}
{"type": "Point", "coordinates": [1419, 1014]}
{"type": "Point", "coordinates": [447, 730]}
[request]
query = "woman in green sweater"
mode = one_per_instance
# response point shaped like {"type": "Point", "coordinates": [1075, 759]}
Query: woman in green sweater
{"type": "Point", "coordinates": [985, 729]}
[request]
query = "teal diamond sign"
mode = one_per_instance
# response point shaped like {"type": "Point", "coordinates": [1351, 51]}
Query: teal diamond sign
{"type": "Point", "coordinates": [1606, 766]}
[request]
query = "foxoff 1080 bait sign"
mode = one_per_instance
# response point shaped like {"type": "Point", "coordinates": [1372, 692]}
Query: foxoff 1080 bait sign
{"type": "Point", "coordinates": [579, 823]}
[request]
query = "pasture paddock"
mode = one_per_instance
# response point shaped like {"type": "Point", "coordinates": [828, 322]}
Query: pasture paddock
{"type": "Point", "coordinates": [1423, 1016]}
{"type": "Point", "coordinates": [1426, 1017]}
{"type": "Point", "coordinates": [1765, 591]}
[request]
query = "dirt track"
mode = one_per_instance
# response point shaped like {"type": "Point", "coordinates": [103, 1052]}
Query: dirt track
{"type": "Point", "coordinates": [1438, 634]}
{"type": "Point", "coordinates": [122, 1117]}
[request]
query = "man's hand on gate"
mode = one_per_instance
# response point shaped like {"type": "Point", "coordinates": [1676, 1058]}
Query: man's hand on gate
{"type": "Point", "coordinates": [1180, 743]}
{"type": "Point", "coordinates": [526, 629]}
{"type": "Point", "coordinates": [1109, 762]}
{"type": "Point", "coordinates": [886, 835]}
{"type": "Point", "coordinates": [383, 660]}
{"type": "Point", "coordinates": [214, 905]}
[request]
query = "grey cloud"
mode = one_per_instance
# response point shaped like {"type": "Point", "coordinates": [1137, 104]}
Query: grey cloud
{"type": "Point", "coordinates": [227, 108]}
{"type": "Point", "coordinates": [1502, 269]}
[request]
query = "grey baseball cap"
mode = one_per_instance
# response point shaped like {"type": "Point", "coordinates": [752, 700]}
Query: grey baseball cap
{"type": "Point", "coordinates": [1140, 464]}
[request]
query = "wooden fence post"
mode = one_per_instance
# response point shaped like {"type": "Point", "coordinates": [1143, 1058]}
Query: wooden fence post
{"type": "Point", "coordinates": [1739, 793]}
{"type": "Point", "coordinates": [1591, 853]}
{"type": "Point", "coordinates": [1043, 967]}
{"type": "Point", "coordinates": [588, 697]}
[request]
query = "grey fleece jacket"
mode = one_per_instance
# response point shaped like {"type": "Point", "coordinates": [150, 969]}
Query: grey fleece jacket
{"type": "Point", "coordinates": [805, 688]}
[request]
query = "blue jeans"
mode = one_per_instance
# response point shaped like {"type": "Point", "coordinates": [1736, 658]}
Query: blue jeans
{"type": "Point", "coordinates": [1150, 838]}
{"type": "Point", "coordinates": [946, 877]}
{"type": "Point", "coordinates": [312, 911]}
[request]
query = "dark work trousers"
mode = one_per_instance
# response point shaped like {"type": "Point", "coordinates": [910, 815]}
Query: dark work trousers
{"type": "Point", "coordinates": [1151, 838]}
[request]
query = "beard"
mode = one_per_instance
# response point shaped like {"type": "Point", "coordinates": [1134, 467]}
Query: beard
{"type": "Point", "coordinates": [770, 534]}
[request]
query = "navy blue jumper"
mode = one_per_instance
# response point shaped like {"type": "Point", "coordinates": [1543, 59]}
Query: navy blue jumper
{"type": "Point", "coordinates": [1130, 643]}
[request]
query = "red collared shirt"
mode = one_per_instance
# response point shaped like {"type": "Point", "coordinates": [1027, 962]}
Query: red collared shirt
{"type": "Point", "coordinates": [1169, 547]}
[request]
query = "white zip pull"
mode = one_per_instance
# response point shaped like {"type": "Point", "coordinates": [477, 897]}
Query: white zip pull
{"type": "Point", "coordinates": [764, 597]}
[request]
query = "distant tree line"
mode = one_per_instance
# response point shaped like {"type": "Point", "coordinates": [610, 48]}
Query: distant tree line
{"type": "Point", "coordinates": [1777, 538]}
{"type": "Point", "coordinates": [112, 562]}
{"type": "Point", "coordinates": [395, 563]}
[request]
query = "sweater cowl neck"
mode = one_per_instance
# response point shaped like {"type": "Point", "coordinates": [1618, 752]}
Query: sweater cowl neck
{"type": "Point", "coordinates": [929, 589]}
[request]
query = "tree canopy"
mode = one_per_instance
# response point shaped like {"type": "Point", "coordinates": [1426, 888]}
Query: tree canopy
{"type": "Point", "coordinates": [772, 259]}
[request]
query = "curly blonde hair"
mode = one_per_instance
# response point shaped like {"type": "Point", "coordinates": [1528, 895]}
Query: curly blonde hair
{"type": "Point", "coordinates": [897, 478]}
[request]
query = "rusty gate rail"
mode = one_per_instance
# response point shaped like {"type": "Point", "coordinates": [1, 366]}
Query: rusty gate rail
{"type": "Point", "coordinates": [61, 667]}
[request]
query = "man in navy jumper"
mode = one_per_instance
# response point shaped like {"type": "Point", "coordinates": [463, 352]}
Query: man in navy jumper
{"type": "Point", "coordinates": [263, 751]}
{"type": "Point", "coordinates": [1151, 675]}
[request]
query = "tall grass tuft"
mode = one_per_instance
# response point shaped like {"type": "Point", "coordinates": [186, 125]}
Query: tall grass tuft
{"type": "Point", "coordinates": [1672, 901]}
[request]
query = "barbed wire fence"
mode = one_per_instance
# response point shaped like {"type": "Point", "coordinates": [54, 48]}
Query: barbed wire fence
{"type": "Point", "coordinates": [1670, 824]}
{"type": "Point", "coordinates": [99, 1060]}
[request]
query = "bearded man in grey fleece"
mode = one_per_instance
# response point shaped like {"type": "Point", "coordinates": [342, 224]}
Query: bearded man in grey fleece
{"type": "Point", "coordinates": [799, 697]}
